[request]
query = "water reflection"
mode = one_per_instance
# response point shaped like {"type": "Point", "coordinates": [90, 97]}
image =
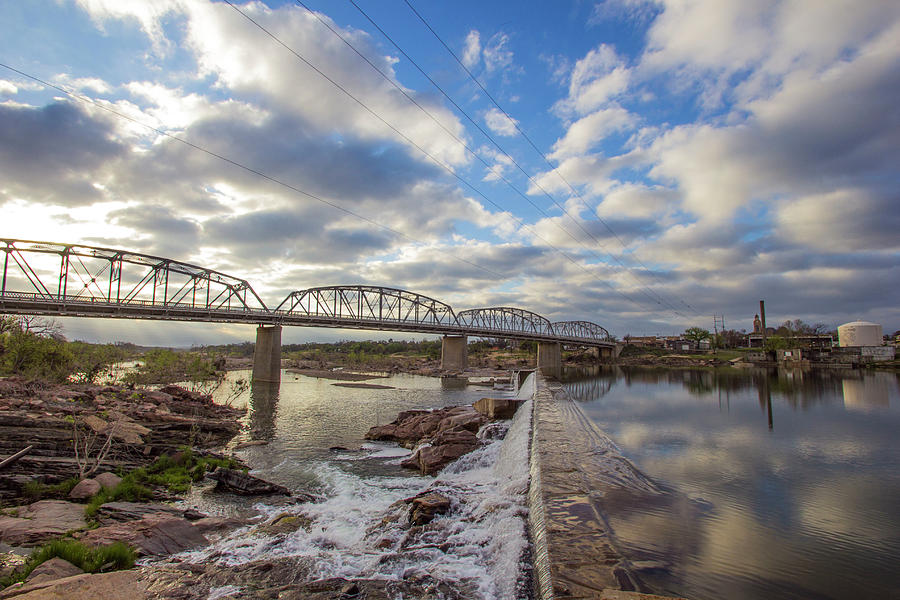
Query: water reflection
{"type": "Point", "coordinates": [781, 484]}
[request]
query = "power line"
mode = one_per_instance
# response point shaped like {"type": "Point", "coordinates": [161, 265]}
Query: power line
{"type": "Point", "coordinates": [230, 161]}
{"type": "Point", "coordinates": [460, 141]}
{"type": "Point", "coordinates": [434, 159]}
{"type": "Point", "coordinates": [530, 142]}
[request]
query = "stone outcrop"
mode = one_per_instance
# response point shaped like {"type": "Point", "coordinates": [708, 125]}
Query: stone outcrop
{"type": "Point", "coordinates": [142, 423]}
{"type": "Point", "coordinates": [122, 512]}
{"type": "Point", "coordinates": [424, 507]}
{"type": "Point", "coordinates": [444, 448]}
{"type": "Point", "coordinates": [414, 426]}
{"type": "Point", "coordinates": [118, 584]}
{"type": "Point", "coordinates": [38, 522]}
{"type": "Point", "coordinates": [152, 535]}
{"type": "Point", "coordinates": [238, 482]}
{"type": "Point", "coordinates": [439, 436]}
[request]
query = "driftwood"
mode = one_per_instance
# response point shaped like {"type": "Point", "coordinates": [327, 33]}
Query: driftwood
{"type": "Point", "coordinates": [12, 459]}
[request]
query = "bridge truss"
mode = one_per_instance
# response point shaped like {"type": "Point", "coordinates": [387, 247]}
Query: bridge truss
{"type": "Point", "coordinates": [46, 278]}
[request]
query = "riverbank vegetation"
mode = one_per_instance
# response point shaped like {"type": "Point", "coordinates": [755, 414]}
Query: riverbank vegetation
{"type": "Point", "coordinates": [90, 559]}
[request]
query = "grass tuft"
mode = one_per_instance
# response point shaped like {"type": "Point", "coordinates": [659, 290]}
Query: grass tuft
{"type": "Point", "coordinates": [89, 559]}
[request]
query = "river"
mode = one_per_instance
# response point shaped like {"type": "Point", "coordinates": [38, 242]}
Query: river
{"type": "Point", "coordinates": [780, 484]}
{"type": "Point", "coordinates": [315, 428]}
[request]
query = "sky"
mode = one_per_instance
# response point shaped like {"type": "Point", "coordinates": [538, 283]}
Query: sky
{"type": "Point", "coordinates": [642, 164]}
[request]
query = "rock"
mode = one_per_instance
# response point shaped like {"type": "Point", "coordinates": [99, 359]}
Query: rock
{"type": "Point", "coordinates": [446, 447]}
{"type": "Point", "coordinates": [118, 584]}
{"type": "Point", "coordinates": [84, 489]}
{"type": "Point", "coordinates": [40, 521]}
{"type": "Point", "coordinates": [412, 427]}
{"type": "Point", "coordinates": [152, 535]}
{"type": "Point", "coordinates": [55, 568]}
{"type": "Point", "coordinates": [498, 408]}
{"type": "Point", "coordinates": [218, 525]}
{"type": "Point", "coordinates": [108, 480]}
{"type": "Point", "coordinates": [122, 512]}
{"type": "Point", "coordinates": [240, 445]}
{"type": "Point", "coordinates": [425, 506]}
{"type": "Point", "coordinates": [284, 523]}
{"type": "Point", "coordinates": [239, 482]}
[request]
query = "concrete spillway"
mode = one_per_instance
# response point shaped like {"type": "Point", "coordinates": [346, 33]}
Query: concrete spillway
{"type": "Point", "coordinates": [573, 465]}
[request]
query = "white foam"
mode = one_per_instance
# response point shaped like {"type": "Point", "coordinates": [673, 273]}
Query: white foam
{"type": "Point", "coordinates": [358, 531]}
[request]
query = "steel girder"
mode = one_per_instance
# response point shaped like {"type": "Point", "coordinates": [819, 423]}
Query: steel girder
{"type": "Point", "coordinates": [76, 274]}
{"type": "Point", "coordinates": [368, 303]}
{"type": "Point", "coordinates": [50, 278]}
{"type": "Point", "coordinates": [505, 319]}
{"type": "Point", "coordinates": [581, 329]}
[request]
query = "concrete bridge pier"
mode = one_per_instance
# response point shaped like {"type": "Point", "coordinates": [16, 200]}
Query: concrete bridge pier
{"type": "Point", "coordinates": [454, 353]}
{"type": "Point", "coordinates": [267, 356]}
{"type": "Point", "coordinates": [549, 358]}
{"type": "Point", "coordinates": [609, 353]}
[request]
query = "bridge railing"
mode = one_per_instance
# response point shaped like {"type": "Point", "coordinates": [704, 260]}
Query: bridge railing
{"type": "Point", "coordinates": [72, 279]}
{"type": "Point", "coordinates": [70, 273]}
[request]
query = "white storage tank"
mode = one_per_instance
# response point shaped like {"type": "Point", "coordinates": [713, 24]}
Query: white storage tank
{"type": "Point", "coordinates": [859, 333]}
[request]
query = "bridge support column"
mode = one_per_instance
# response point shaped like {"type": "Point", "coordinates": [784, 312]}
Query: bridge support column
{"type": "Point", "coordinates": [267, 356]}
{"type": "Point", "coordinates": [454, 353]}
{"type": "Point", "coordinates": [549, 358]}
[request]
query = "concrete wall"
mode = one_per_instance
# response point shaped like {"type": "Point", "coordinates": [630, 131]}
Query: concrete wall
{"type": "Point", "coordinates": [267, 356]}
{"type": "Point", "coordinates": [549, 358]}
{"type": "Point", "coordinates": [454, 353]}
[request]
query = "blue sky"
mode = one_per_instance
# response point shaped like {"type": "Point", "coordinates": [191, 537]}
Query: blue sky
{"type": "Point", "coordinates": [693, 156]}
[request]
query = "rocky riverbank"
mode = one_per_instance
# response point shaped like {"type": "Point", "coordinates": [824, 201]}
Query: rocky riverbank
{"type": "Point", "coordinates": [138, 425]}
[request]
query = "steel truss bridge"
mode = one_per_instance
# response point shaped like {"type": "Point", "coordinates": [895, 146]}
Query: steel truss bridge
{"type": "Point", "coordinates": [54, 279]}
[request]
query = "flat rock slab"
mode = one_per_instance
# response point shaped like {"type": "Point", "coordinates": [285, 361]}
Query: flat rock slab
{"type": "Point", "coordinates": [153, 535]}
{"type": "Point", "coordinates": [119, 584]}
{"type": "Point", "coordinates": [241, 483]}
{"type": "Point", "coordinates": [41, 521]}
{"type": "Point", "coordinates": [121, 512]}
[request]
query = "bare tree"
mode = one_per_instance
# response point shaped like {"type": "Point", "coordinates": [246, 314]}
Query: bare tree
{"type": "Point", "coordinates": [92, 446]}
{"type": "Point", "coordinates": [42, 326]}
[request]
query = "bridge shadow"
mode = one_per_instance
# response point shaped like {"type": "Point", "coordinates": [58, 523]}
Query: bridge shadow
{"type": "Point", "coordinates": [263, 410]}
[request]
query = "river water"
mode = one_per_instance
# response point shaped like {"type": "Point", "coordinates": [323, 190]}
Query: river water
{"type": "Point", "coordinates": [779, 484]}
{"type": "Point", "coordinates": [315, 428]}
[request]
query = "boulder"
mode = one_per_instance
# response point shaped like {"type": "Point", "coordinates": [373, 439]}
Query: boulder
{"type": "Point", "coordinates": [108, 480]}
{"type": "Point", "coordinates": [446, 447]}
{"type": "Point", "coordinates": [41, 521]}
{"type": "Point", "coordinates": [240, 483]}
{"type": "Point", "coordinates": [84, 489]}
{"type": "Point", "coordinates": [284, 523]}
{"type": "Point", "coordinates": [55, 568]}
{"type": "Point", "coordinates": [152, 535]}
{"type": "Point", "coordinates": [425, 506]}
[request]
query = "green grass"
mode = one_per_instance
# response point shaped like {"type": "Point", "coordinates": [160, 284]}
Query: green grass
{"type": "Point", "coordinates": [174, 473]}
{"type": "Point", "coordinates": [35, 491]}
{"type": "Point", "coordinates": [90, 559]}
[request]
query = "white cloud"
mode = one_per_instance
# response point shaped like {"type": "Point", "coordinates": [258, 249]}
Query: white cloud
{"type": "Point", "coordinates": [8, 87]}
{"type": "Point", "coordinates": [500, 123]}
{"type": "Point", "coordinates": [497, 55]}
{"type": "Point", "coordinates": [589, 131]}
{"type": "Point", "coordinates": [595, 79]}
{"type": "Point", "coordinates": [472, 50]}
